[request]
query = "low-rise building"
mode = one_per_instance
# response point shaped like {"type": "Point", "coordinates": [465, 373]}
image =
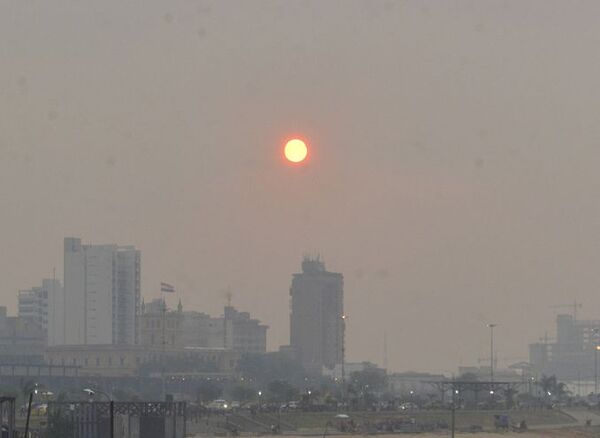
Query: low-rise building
{"type": "Point", "coordinates": [34, 303]}
{"type": "Point", "coordinates": [22, 341]}
{"type": "Point", "coordinates": [202, 330]}
{"type": "Point", "coordinates": [234, 330]}
{"type": "Point", "coordinates": [243, 333]}
{"type": "Point", "coordinates": [161, 326]}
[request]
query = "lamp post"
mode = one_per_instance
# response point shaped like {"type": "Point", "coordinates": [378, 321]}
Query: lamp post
{"type": "Point", "coordinates": [453, 419]}
{"type": "Point", "coordinates": [596, 349]}
{"type": "Point", "coordinates": [343, 393]}
{"type": "Point", "coordinates": [596, 346]}
{"type": "Point", "coordinates": [111, 409]}
{"type": "Point", "coordinates": [491, 326]}
{"type": "Point", "coordinates": [34, 391]}
{"type": "Point", "coordinates": [259, 400]}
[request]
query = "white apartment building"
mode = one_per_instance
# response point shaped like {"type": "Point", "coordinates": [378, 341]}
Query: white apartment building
{"type": "Point", "coordinates": [101, 295]}
{"type": "Point", "coordinates": [34, 303]}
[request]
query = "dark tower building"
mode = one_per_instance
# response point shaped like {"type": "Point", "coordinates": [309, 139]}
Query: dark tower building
{"type": "Point", "coordinates": [317, 307]}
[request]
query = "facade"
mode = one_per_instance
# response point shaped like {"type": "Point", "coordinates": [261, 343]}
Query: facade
{"type": "Point", "coordinates": [242, 333]}
{"type": "Point", "coordinates": [235, 331]}
{"type": "Point", "coordinates": [22, 341]}
{"type": "Point", "coordinates": [316, 324]}
{"type": "Point", "coordinates": [572, 356]}
{"type": "Point", "coordinates": [202, 330]}
{"type": "Point", "coordinates": [161, 326]}
{"type": "Point", "coordinates": [34, 304]}
{"type": "Point", "coordinates": [101, 295]}
{"type": "Point", "coordinates": [349, 368]}
{"type": "Point", "coordinates": [126, 360]}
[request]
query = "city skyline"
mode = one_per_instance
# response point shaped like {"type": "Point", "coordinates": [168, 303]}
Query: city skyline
{"type": "Point", "coordinates": [36, 305]}
{"type": "Point", "coordinates": [453, 158]}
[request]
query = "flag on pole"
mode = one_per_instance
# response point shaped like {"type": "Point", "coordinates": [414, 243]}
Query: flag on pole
{"type": "Point", "coordinates": [167, 288]}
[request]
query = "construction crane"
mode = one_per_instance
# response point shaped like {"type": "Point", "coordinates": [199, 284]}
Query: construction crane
{"type": "Point", "coordinates": [573, 306]}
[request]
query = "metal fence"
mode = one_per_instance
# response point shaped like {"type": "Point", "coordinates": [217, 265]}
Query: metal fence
{"type": "Point", "coordinates": [129, 419]}
{"type": "Point", "coordinates": [7, 417]}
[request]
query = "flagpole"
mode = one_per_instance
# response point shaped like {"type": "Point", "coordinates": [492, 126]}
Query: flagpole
{"type": "Point", "coordinates": [164, 288]}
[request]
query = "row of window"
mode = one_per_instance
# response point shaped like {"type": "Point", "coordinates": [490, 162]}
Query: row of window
{"type": "Point", "coordinates": [157, 323]}
{"type": "Point", "coordinates": [121, 361]}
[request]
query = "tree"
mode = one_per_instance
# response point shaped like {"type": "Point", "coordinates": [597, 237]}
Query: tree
{"type": "Point", "coordinates": [552, 387]}
{"type": "Point", "coordinates": [59, 426]}
{"type": "Point", "coordinates": [243, 393]}
{"type": "Point", "coordinates": [264, 368]}
{"type": "Point", "coordinates": [371, 378]}
{"type": "Point", "coordinates": [281, 391]}
{"type": "Point", "coordinates": [208, 390]}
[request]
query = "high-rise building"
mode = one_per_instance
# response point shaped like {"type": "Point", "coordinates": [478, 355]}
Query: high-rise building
{"type": "Point", "coordinates": [235, 330]}
{"type": "Point", "coordinates": [34, 307]}
{"type": "Point", "coordinates": [101, 298]}
{"type": "Point", "coordinates": [573, 354]}
{"type": "Point", "coordinates": [316, 324]}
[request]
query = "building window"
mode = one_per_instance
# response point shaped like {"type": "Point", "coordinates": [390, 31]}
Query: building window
{"type": "Point", "coordinates": [122, 361]}
{"type": "Point", "coordinates": [97, 361]}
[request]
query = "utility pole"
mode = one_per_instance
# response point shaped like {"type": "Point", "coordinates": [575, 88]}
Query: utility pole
{"type": "Point", "coordinates": [343, 360]}
{"type": "Point", "coordinates": [453, 418]}
{"type": "Point", "coordinates": [28, 413]}
{"type": "Point", "coordinates": [596, 347]}
{"type": "Point", "coordinates": [491, 326]}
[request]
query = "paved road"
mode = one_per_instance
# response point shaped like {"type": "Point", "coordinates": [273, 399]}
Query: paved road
{"type": "Point", "coordinates": [582, 415]}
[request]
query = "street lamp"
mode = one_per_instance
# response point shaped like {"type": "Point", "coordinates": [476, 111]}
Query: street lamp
{"type": "Point", "coordinates": [259, 400]}
{"type": "Point", "coordinates": [491, 326]}
{"type": "Point", "coordinates": [453, 410]}
{"type": "Point", "coordinates": [596, 347]}
{"type": "Point", "coordinates": [343, 393]}
{"type": "Point", "coordinates": [596, 368]}
{"type": "Point", "coordinates": [111, 410]}
{"type": "Point", "coordinates": [33, 391]}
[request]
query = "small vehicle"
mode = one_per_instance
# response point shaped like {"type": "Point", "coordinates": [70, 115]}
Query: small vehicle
{"type": "Point", "coordinates": [292, 405]}
{"type": "Point", "coordinates": [219, 405]}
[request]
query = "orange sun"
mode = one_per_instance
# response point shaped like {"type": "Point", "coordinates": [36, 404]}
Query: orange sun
{"type": "Point", "coordinates": [295, 151]}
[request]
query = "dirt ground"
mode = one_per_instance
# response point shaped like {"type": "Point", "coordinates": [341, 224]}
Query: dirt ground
{"type": "Point", "coordinates": [550, 433]}
{"type": "Point", "coordinates": [556, 433]}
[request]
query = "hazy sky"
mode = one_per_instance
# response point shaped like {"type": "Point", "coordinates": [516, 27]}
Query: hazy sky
{"type": "Point", "coordinates": [454, 177]}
